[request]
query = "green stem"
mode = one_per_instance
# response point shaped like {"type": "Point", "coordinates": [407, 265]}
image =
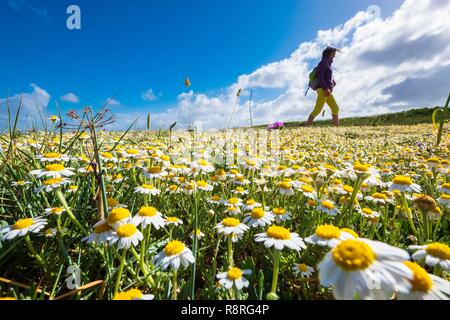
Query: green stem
{"type": "Point", "coordinates": [276, 267]}
{"type": "Point", "coordinates": [230, 252]}
{"type": "Point", "coordinates": [409, 215]}
{"type": "Point", "coordinates": [63, 201]}
{"type": "Point", "coordinates": [174, 285]}
{"type": "Point", "coordinates": [119, 274]}
{"type": "Point", "coordinates": [33, 252]}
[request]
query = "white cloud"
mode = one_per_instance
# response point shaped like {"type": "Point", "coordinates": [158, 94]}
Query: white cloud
{"type": "Point", "coordinates": [149, 95]}
{"type": "Point", "coordinates": [400, 62]}
{"type": "Point", "coordinates": [33, 106]}
{"type": "Point", "coordinates": [70, 97]}
{"type": "Point", "coordinates": [19, 5]}
{"type": "Point", "coordinates": [113, 102]}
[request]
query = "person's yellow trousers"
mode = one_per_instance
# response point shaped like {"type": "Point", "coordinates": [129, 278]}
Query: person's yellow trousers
{"type": "Point", "coordinates": [321, 100]}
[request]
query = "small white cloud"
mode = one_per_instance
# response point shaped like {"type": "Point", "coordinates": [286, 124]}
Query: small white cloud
{"type": "Point", "coordinates": [70, 97]}
{"type": "Point", "coordinates": [113, 102]}
{"type": "Point", "coordinates": [149, 95]}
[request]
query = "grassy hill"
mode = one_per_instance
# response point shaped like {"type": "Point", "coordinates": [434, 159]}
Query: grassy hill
{"type": "Point", "coordinates": [410, 117]}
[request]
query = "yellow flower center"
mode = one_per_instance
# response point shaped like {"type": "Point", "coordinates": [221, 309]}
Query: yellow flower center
{"type": "Point", "coordinates": [57, 210]}
{"type": "Point", "coordinates": [126, 230]}
{"type": "Point", "coordinates": [348, 189]}
{"type": "Point", "coordinates": [102, 228]}
{"type": "Point", "coordinates": [112, 202]}
{"type": "Point", "coordinates": [132, 151]}
{"type": "Point", "coordinates": [174, 247]}
{"type": "Point", "coordinates": [148, 211]}
{"type": "Point", "coordinates": [438, 250]}
{"type": "Point", "coordinates": [54, 167]}
{"type": "Point", "coordinates": [361, 167]}
{"type": "Point", "coordinates": [172, 219]}
{"type": "Point", "coordinates": [281, 168]}
{"type": "Point", "coordinates": [235, 273]}
{"type": "Point", "coordinates": [278, 211]}
{"type": "Point", "coordinates": [421, 280]}
{"type": "Point", "coordinates": [353, 255]}
{"type": "Point", "coordinates": [378, 195]}
{"type": "Point", "coordinates": [230, 222]}
{"type": "Point", "coordinates": [403, 180]}
{"type": "Point", "coordinates": [239, 189]}
{"type": "Point", "coordinates": [22, 224]}
{"type": "Point", "coordinates": [307, 188]}
{"type": "Point", "coordinates": [327, 204]}
{"type": "Point", "coordinates": [446, 185]}
{"type": "Point", "coordinates": [233, 201]}
{"type": "Point", "coordinates": [303, 267]}
{"type": "Point", "coordinates": [328, 231]}
{"type": "Point", "coordinates": [250, 202]}
{"type": "Point", "coordinates": [277, 232]}
{"type": "Point", "coordinates": [107, 155]}
{"type": "Point", "coordinates": [367, 211]}
{"type": "Point", "coordinates": [434, 160]}
{"type": "Point", "coordinates": [284, 185]}
{"type": "Point", "coordinates": [215, 198]}
{"type": "Point", "coordinates": [202, 183]}
{"type": "Point", "coordinates": [173, 187]}
{"type": "Point", "coordinates": [154, 170]}
{"type": "Point", "coordinates": [52, 155]}
{"type": "Point", "coordinates": [147, 186]}
{"type": "Point", "coordinates": [257, 213]}
{"type": "Point", "coordinates": [135, 294]}
{"type": "Point", "coordinates": [52, 181]}
{"type": "Point", "coordinates": [202, 162]}
{"type": "Point", "coordinates": [118, 214]}
{"type": "Point", "coordinates": [445, 196]}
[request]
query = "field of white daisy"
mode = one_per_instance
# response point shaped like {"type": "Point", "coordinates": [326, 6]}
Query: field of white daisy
{"type": "Point", "coordinates": [307, 213]}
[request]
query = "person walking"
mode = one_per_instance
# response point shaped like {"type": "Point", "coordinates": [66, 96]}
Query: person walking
{"type": "Point", "coordinates": [325, 85]}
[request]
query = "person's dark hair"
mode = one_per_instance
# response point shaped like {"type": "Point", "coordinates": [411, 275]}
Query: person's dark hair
{"type": "Point", "coordinates": [327, 52]}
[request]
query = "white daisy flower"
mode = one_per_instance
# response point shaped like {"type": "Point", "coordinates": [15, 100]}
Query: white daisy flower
{"type": "Point", "coordinates": [119, 216]}
{"type": "Point", "coordinates": [232, 202]}
{"type": "Point", "coordinates": [148, 216]}
{"type": "Point", "coordinates": [200, 234]}
{"type": "Point", "coordinates": [203, 185]}
{"type": "Point", "coordinates": [328, 207]}
{"type": "Point", "coordinates": [102, 233]}
{"type": "Point", "coordinates": [231, 226]}
{"type": "Point", "coordinates": [240, 180]}
{"type": "Point", "coordinates": [51, 184]}
{"type": "Point", "coordinates": [55, 210]}
{"type": "Point", "coordinates": [444, 199]}
{"type": "Point", "coordinates": [173, 221]}
{"type": "Point", "coordinates": [147, 189]}
{"type": "Point", "coordinates": [328, 235]}
{"type": "Point", "coordinates": [132, 153]}
{"type": "Point", "coordinates": [285, 188]}
{"type": "Point", "coordinates": [234, 277]}
{"type": "Point", "coordinates": [304, 270]}
{"type": "Point", "coordinates": [281, 215]}
{"type": "Point", "coordinates": [202, 165]}
{"type": "Point", "coordinates": [425, 286]}
{"type": "Point", "coordinates": [155, 172]}
{"type": "Point", "coordinates": [308, 191]}
{"type": "Point", "coordinates": [250, 205]}
{"type": "Point", "coordinates": [240, 191]}
{"type": "Point", "coordinates": [20, 183]}
{"type": "Point", "coordinates": [280, 237]}
{"type": "Point", "coordinates": [174, 254]}
{"type": "Point", "coordinates": [215, 200]}
{"type": "Point", "coordinates": [108, 157]}
{"type": "Point", "coordinates": [133, 294]}
{"type": "Point", "coordinates": [445, 188]}
{"type": "Point", "coordinates": [258, 218]}
{"type": "Point", "coordinates": [53, 171]}
{"type": "Point", "coordinates": [434, 253]}
{"type": "Point", "coordinates": [379, 198]}
{"type": "Point", "coordinates": [126, 235]}
{"type": "Point", "coordinates": [22, 227]}
{"type": "Point", "coordinates": [369, 213]}
{"type": "Point", "coordinates": [53, 157]}
{"type": "Point", "coordinates": [404, 184]}
{"type": "Point", "coordinates": [366, 268]}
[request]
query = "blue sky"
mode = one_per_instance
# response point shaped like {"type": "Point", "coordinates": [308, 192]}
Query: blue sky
{"type": "Point", "coordinates": [396, 61]}
{"type": "Point", "coordinates": [139, 45]}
